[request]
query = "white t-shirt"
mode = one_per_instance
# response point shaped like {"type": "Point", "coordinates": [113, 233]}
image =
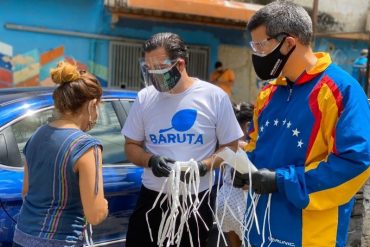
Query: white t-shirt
{"type": "Point", "coordinates": [182, 126]}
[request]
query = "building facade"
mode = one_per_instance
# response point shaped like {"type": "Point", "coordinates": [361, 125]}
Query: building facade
{"type": "Point", "coordinates": [107, 36]}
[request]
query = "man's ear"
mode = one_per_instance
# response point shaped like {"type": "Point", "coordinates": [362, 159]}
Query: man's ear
{"type": "Point", "coordinates": [290, 42]}
{"type": "Point", "coordinates": [181, 64]}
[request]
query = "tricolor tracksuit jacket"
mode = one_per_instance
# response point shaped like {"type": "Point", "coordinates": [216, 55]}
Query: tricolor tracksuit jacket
{"type": "Point", "coordinates": [315, 134]}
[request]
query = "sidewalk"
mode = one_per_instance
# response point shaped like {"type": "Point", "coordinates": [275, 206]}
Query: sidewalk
{"type": "Point", "coordinates": [355, 228]}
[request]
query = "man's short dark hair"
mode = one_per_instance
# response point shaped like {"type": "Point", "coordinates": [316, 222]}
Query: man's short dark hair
{"type": "Point", "coordinates": [171, 42]}
{"type": "Point", "coordinates": [218, 64]}
{"type": "Point", "coordinates": [283, 17]}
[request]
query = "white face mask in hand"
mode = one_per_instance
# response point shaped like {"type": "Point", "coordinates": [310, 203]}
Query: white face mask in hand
{"type": "Point", "coordinates": [238, 160]}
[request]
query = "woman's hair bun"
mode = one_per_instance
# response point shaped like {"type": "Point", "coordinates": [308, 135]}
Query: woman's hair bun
{"type": "Point", "coordinates": [65, 73]}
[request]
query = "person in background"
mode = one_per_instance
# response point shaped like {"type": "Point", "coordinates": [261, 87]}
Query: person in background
{"type": "Point", "coordinates": [310, 135]}
{"type": "Point", "coordinates": [244, 115]}
{"type": "Point", "coordinates": [224, 78]}
{"type": "Point", "coordinates": [234, 197]}
{"type": "Point", "coordinates": [176, 117]}
{"type": "Point", "coordinates": [63, 182]}
{"type": "Point", "coordinates": [359, 68]}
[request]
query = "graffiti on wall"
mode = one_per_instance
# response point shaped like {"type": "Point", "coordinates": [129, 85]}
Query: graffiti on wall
{"type": "Point", "coordinates": [342, 53]}
{"type": "Point", "coordinates": [33, 67]}
{"type": "Point", "coordinates": [6, 75]}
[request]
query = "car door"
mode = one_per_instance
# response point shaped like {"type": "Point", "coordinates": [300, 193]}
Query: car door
{"type": "Point", "coordinates": [122, 180]}
{"type": "Point", "coordinates": [13, 138]}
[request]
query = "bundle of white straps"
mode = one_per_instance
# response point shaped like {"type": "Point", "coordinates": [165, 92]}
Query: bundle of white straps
{"type": "Point", "coordinates": [171, 228]}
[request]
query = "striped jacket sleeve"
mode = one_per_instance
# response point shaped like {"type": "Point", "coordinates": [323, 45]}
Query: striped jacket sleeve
{"type": "Point", "coordinates": [338, 158]}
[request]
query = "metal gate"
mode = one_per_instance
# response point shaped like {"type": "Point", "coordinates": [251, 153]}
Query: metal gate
{"type": "Point", "coordinates": [198, 62]}
{"type": "Point", "coordinates": [124, 68]}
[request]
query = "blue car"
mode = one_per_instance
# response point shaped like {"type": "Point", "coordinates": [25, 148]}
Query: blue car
{"type": "Point", "coordinates": [22, 111]}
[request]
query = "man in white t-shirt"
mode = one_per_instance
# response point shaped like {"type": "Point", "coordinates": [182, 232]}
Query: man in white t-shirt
{"type": "Point", "coordinates": [175, 118]}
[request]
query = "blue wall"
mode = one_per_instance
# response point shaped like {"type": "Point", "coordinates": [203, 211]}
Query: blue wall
{"type": "Point", "coordinates": [68, 15]}
{"type": "Point", "coordinates": [90, 16]}
{"type": "Point", "coordinates": [343, 52]}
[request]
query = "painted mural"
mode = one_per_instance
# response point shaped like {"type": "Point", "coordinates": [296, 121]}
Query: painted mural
{"type": "Point", "coordinates": [342, 52]}
{"type": "Point", "coordinates": [33, 67]}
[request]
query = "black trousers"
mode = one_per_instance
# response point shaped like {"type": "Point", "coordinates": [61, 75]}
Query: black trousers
{"type": "Point", "coordinates": [138, 231]}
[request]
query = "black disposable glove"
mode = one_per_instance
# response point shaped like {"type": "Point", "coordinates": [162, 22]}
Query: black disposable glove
{"type": "Point", "coordinates": [203, 169]}
{"type": "Point", "coordinates": [240, 179]}
{"type": "Point", "coordinates": [202, 172]}
{"type": "Point", "coordinates": [264, 181]}
{"type": "Point", "coordinates": [159, 165]}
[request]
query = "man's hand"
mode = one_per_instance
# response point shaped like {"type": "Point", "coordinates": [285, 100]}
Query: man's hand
{"type": "Point", "coordinates": [159, 165]}
{"type": "Point", "coordinates": [264, 181]}
{"type": "Point", "coordinates": [240, 179]}
{"type": "Point", "coordinates": [203, 169]}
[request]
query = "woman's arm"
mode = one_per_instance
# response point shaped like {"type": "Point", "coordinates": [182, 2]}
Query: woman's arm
{"type": "Point", "coordinates": [95, 206]}
{"type": "Point", "coordinates": [135, 152]}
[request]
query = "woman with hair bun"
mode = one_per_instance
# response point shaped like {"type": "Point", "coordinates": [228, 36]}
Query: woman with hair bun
{"type": "Point", "coordinates": [63, 184]}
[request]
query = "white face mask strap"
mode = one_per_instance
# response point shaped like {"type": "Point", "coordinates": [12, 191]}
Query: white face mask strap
{"type": "Point", "coordinates": [240, 162]}
{"type": "Point", "coordinates": [88, 235]}
{"type": "Point", "coordinates": [189, 206]}
{"type": "Point", "coordinates": [154, 204]}
{"type": "Point", "coordinates": [175, 218]}
{"type": "Point", "coordinates": [92, 122]}
{"type": "Point", "coordinates": [89, 110]}
{"type": "Point", "coordinates": [91, 106]}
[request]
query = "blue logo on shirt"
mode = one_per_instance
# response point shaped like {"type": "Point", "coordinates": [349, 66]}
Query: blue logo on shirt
{"type": "Point", "coordinates": [182, 121]}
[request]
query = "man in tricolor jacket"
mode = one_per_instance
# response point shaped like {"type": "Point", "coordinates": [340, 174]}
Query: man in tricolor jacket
{"type": "Point", "coordinates": [310, 137]}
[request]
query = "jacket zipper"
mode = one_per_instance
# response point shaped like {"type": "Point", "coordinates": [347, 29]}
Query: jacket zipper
{"type": "Point", "coordinates": [290, 86]}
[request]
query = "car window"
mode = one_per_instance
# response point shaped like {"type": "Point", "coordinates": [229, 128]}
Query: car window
{"type": "Point", "coordinates": [24, 128]}
{"type": "Point", "coordinates": [108, 132]}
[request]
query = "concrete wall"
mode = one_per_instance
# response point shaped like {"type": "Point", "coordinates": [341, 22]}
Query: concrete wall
{"type": "Point", "coordinates": [26, 57]}
{"type": "Point", "coordinates": [343, 52]}
{"type": "Point", "coordinates": [239, 60]}
{"type": "Point", "coordinates": [340, 15]}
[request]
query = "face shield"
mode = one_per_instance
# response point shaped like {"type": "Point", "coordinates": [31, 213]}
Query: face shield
{"type": "Point", "coordinates": [163, 75]}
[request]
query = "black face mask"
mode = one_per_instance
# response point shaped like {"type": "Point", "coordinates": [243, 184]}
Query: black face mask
{"type": "Point", "coordinates": [270, 66]}
{"type": "Point", "coordinates": [164, 82]}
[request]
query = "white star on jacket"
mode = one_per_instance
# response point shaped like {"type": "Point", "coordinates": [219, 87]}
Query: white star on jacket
{"type": "Point", "coordinates": [288, 124]}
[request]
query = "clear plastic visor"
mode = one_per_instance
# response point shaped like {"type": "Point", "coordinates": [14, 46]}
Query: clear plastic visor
{"type": "Point", "coordinates": [155, 71]}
